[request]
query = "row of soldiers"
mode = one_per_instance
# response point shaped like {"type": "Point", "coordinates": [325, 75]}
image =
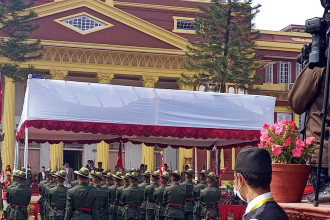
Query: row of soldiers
{"type": "Point", "coordinates": [106, 196]}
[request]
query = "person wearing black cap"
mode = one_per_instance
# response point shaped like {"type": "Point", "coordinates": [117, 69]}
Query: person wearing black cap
{"type": "Point", "coordinates": [196, 194]}
{"type": "Point", "coordinates": [253, 175]}
{"type": "Point", "coordinates": [189, 186]}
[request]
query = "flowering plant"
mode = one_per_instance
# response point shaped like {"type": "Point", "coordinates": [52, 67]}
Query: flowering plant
{"type": "Point", "coordinates": [282, 142]}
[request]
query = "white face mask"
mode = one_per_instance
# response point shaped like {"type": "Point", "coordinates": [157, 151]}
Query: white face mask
{"type": "Point", "coordinates": [236, 192]}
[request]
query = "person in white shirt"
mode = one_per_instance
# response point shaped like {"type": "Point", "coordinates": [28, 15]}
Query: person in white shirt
{"type": "Point", "coordinates": [253, 175]}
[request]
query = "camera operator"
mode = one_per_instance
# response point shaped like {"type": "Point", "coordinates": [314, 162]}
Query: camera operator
{"type": "Point", "coordinates": [307, 96]}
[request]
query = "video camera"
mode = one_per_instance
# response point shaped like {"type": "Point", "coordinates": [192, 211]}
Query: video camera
{"type": "Point", "coordinates": [315, 53]}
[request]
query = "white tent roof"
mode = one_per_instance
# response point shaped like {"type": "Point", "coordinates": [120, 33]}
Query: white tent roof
{"type": "Point", "coordinates": [67, 111]}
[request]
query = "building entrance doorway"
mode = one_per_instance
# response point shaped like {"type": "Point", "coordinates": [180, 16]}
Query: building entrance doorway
{"type": "Point", "coordinates": [74, 158]}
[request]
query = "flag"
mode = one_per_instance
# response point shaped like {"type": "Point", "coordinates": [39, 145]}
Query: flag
{"type": "Point", "coordinates": [1, 88]}
{"type": "Point", "coordinates": [120, 159]}
{"type": "Point", "coordinates": [162, 167]}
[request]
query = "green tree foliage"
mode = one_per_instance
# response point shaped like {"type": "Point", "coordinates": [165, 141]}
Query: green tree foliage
{"type": "Point", "coordinates": [225, 51]}
{"type": "Point", "coordinates": [15, 29]}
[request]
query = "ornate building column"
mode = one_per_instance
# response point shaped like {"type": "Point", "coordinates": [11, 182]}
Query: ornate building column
{"type": "Point", "coordinates": [8, 123]}
{"type": "Point", "coordinates": [56, 150]}
{"type": "Point", "coordinates": [184, 153]}
{"type": "Point", "coordinates": [148, 152]}
{"type": "Point", "coordinates": [102, 151]}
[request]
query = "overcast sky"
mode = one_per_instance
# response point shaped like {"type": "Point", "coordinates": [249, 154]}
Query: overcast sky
{"type": "Point", "coordinates": [277, 14]}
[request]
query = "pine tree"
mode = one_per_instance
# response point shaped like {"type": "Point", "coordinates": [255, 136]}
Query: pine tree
{"type": "Point", "coordinates": [15, 45]}
{"type": "Point", "coordinates": [225, 51]}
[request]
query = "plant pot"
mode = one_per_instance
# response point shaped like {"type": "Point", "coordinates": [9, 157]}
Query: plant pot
{"type": "Point", "coordinates": [289, 181]}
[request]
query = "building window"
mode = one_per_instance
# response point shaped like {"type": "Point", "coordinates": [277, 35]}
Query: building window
{"type": "Point", "coordinates": [284, 116]}
{"type": "Point", "coordinates": [231, 90]}
{"type": "Point", "coordinates": [284, 73]}
{"type": "Point", "coordinates": [83, 23]}
{"type": "Point", "coordinates": [269, 74]}
{"type": "Point", "coordinates": [298, 69]}
{"type": "Point", "coordinates": [185, 25]}
{"type": "Point", "coordinates": [241, 91]}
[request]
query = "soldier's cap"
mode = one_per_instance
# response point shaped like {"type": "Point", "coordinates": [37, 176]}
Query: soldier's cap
{"type": "Point", "coordinates": [166, 175]}
{"type": "Point", "coordinates": [212, 176]}
{"type": "Point", "coordinates": [82, 172]}
{"type": "Point", "coordinates": [134, 175]}
{"type": "Point", "coordinates": [108, 175]}
{"type": "Point", "coordinates": [60, 174]}
{"type": "Point", "coordinates": [20, 174]}
{"type": "Point", "coordinates": [253, 160]}
{"type": "Point", "coordinates": [8, 173]}
{"type": "Point", "coordinates": [190, 172]}
{"type": "Point", "coordinates": [175, 173]}
{"type": "Point", "coordinates": [133, 170]}
{"type": "Point", "coordinates": [118, 175]}
{"type": "Point", "coordinates": [52, 173]}
{"type": "Point", "coordinates": [96, 174]}
{"type": "Point", "coordinates": [156, 174]}
{"type": "Point", "coordinates": [128, 175]}
{"type": "Point", "coordinates": [203, 172]}
{"type": "Point", "coordinates": [104, 172]}
{"type": "Point", "coordinates": [23, 169]}
{"type": "Point", "coordinates": [15, 173]}
{"type": "Point", "coordinates": [146, 173]}
{"type": "Point", "coordinates": [48, 171]}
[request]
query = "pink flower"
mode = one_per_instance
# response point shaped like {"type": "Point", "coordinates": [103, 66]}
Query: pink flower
{"type": "Point", "coordinates": [279, 129]}
{"type": "Point", "coordinates": [276, 149]}
{"type": "Point", "coordinates": [300, 143]}
{"type": "Point", "coordinates": [266, 126]}
{"type": "Point", "coordinates": [293, 126]}
{"type": "Point", "coordinates": [310, 140]}
{"type": "Point", "coordinates": [297, 152]}
{"type": "Point", "coordinates": [261, 145]}
{"type": "Point", "coordinates": [287, 142]}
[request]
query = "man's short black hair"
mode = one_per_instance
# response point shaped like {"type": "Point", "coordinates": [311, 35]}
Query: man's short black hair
{"type": "Point", "coordinates": [258, 180]}
{"type": "Point", "coordinates": [176, 178]}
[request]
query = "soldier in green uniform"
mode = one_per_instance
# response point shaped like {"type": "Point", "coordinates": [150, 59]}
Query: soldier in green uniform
{"type": "Point", "coordinates": [149, 196]}
{"type": "Point", "coordinates": [119, 191]}
{"type": "Point", "coordinates": [210, 198]}
{"type": "Point", "coordinates": [57, 197]}
{"type": "Point", "coordinates": [174, 198]}
{"type": "Point", "coordinates": [9, 187]}
{"type": "Point", "coordinates": [41, 189]}
{"type": "Point", "coordinates": [102, 195]}
{"type": "Point", "coordinates": [112, 196]}
{"type": "Point", "coordinates": [196, 195]}
{"type": "Point", "coordinates": [159, 197]}
{"type": "Point", "coordinates": [146, 182]}
{"type": "Point", "coordinates": [19, 198]}
{"type": "Point", "coordinates": [81, 202]}
{"type": "Point", "coordinates": [52, 183]}
{"type": "Point", "coordinates": [131, 198]}
{"type": "Point", "coordinates": [189, 186]}
{"type": "Point", "coordinates": [104, 173]}
{"type": "Point", "coordinates": [109, 181]}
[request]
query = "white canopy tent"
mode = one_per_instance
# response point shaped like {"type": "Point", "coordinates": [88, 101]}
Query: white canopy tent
{"type": "Point", "coordinates": [86, 113]}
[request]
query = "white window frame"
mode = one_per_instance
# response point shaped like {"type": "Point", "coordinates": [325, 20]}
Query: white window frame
{"type": "Point", "coordinates": [240, 91]}
{"type": "Point", "coordinates": [269, 74]}
{"type": "Point", "coordinates": [231, 90]}
{"type": "Point", "coordinates": [282, 75]}
{"type": "Point", "coordinates": [298, 69]}
{"type": "Point", "coordinates": [284, 116]}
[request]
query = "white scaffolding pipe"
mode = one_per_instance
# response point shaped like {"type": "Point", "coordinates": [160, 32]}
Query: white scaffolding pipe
{"type": "Point", "coordinates": [16, 155]}
{"type": "Point", "coordinates": [196, 167]}
{"type": "Point", "coordinates": [26, 152]}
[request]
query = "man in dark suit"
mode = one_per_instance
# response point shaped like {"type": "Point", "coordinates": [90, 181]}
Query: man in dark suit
{"type": "Point", "coordinates": [42, 174]}
{"type": "Point", "coordinates": [253, 174]}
